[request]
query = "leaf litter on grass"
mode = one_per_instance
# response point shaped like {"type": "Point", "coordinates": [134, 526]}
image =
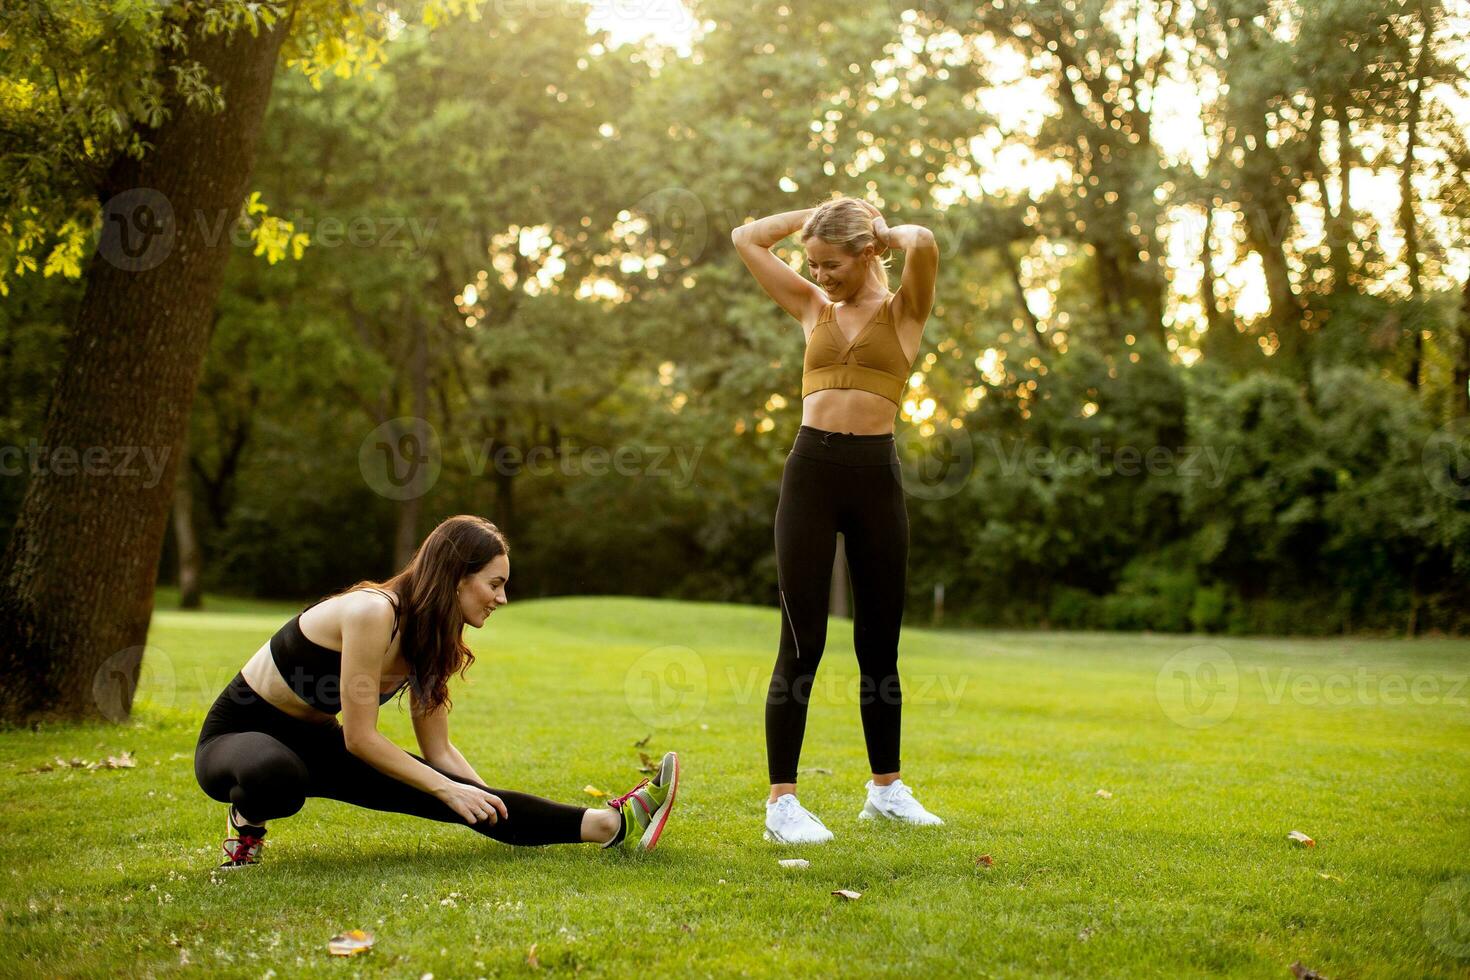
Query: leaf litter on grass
{"type": "Point", "coordinates": [123, 760]}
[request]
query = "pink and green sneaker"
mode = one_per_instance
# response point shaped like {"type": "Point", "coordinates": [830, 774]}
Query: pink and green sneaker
{"type": "Point", "coordinates": [645, 807]}
{"type": "Point", "coordinates": [242, 848]}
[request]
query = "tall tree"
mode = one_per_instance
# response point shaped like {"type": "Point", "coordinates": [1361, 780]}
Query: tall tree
{"type": "Point", "coordinates": [191, 88]}
{"type": "Point", "coordinates": [76, 579]}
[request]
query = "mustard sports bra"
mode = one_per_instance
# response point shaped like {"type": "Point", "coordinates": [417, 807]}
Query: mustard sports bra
{"type": "Point", "coordinates": [873, 361]}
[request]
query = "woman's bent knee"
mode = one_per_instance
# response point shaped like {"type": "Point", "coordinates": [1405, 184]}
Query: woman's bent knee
{"type": "Point", "coordinates": [257, 773]}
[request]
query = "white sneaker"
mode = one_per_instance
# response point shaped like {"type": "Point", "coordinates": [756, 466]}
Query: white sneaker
{"type": "Point", "coordinates": [788, 822]}
{"type": "Point", "coordinates": [896, 802]}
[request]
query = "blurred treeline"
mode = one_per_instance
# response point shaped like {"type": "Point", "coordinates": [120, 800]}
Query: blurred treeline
{"type": "Point", "coordinates": [1183, 381]}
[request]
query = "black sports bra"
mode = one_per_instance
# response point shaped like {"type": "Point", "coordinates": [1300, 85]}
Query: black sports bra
{"type": "Point", "coordinates": [312, 671]}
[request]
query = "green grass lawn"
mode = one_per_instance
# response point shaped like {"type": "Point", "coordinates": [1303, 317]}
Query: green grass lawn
{"type": "Point", "coordinates": [1185, 869]}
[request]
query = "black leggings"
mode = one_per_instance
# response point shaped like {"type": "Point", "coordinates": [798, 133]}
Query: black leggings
{"type": "Point", "coordinates": [835, 482]}
{"type": "Point", "coordinates": [266, 763]}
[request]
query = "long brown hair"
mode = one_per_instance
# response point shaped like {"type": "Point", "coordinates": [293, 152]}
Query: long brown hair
{"type": "Point", "coordinates": [844, 223]}
{"type": "Point", "coordinates": [428, 611]}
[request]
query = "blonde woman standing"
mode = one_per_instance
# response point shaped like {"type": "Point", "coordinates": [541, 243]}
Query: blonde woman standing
{"type": "Point", "coordinates": [842, 476]}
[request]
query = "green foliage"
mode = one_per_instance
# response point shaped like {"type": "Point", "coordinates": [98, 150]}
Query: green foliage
{"type": "Point", "coordinates": [520, 233]}
{"type": "Point", "coordinates": [84, 83]}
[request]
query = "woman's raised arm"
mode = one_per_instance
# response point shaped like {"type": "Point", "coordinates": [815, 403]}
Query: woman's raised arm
{"type": "Point", "coordinates": [794, 293]}
{"type": "Point", "coordinates": [920, 271]}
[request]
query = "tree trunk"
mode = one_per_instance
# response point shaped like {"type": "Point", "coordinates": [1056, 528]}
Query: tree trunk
{"type": "Point", "coordinates": [1213, 316]}
{"type": "Point", "coordinates": [1336, 239]}
{"type": "Point", "coordinates": [77, 576]}
{"type": "Point", "coordinates": [1460, 396]}
{"type": "Point", "coordinates": [187, 540]}
{"type": "Point", "coordinates": [1343, 232]}
{"type": "Point", "coordinates": [407, 538]}
{"type": "Point", "coordinates": [504, 516]}
{"type": "Point", "coordinates": [1412, 628]}
{"type": "Point", "coordinates": [1268, 223]}
{"type": "Point", "coordinates": [1407, 218]}
{"type": "Point", "coordinates": [1013, 270]}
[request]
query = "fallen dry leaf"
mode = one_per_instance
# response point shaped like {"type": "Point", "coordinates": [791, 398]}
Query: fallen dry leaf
{"type": "Point", "coordinates": [1104, 794]}
{"type": "Point", "coordinates": [643, 742]}
{"type": "Point", "coordinates": [645, 762]}
{"type": "Point", "coordinates": [1323, 874]}
{"type": "Point", "coordinates": [816, 771]}
{"type": "Point", "coordinates": [848, 894]}
{"type": "Point", "coordinates": [794, 863]}
{"type": "Point", "coordinates": [122, 761]}
{"type": "Point", "coordinates": [591, 790]}
{"type": "Point", "coordinates": [1303, 973]}
{"type": "Point", "coordinates": [532, 960]}
{"type": "Point", "coordinates": [1301, 839]}
{"type": "Point", "coordinates": [986, 860]}
{"type": "Point", "coordinates": [350, 943]}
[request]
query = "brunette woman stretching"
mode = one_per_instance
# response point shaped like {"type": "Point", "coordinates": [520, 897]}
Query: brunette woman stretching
{"type": "Point", "coordinates": [271, 739]}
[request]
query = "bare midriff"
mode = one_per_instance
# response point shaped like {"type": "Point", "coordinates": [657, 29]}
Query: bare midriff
{"type": "Point", "coordinates": [265, 679]}
{"type": "Point", "coordinates": [849, 410]}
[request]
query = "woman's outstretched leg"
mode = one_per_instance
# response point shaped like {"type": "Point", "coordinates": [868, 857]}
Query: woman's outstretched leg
{"type": "Point", "coordinates": [530, 820]}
